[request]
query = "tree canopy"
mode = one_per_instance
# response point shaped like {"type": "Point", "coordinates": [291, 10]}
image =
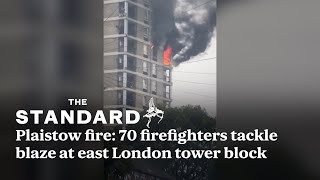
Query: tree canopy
{"type": "Point", "coordinates": [181, 119]}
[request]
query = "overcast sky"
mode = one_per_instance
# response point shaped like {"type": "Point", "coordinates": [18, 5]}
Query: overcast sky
{"type": "Point", "coordinates": [200, 72]}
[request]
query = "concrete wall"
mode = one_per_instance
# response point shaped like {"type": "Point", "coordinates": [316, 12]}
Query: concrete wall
{"type": "Point", "coordinates": [110, 98]}
{"type": "Point", "coordinates": [111, 10]}
{"type": "Point", "coordinates": [111, 45]}
{"type": "Point", "coordinates": [110, 80]}
{"type": "Point", "coordinates": [110, 62]}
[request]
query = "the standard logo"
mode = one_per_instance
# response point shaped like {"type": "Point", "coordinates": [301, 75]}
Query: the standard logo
{"type": "Point", "coordinates": [153, 111]}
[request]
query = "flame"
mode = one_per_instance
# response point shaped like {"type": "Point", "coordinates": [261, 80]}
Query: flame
{"type": "Point", "coordinates": [167, 53]}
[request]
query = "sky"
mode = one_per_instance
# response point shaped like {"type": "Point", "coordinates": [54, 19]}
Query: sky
{"type": "Point", "coordinates": [203, 92]}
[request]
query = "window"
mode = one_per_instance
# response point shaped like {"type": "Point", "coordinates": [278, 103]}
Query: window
{"type": "Point", "coordinates": [120, 97]}
{"type": "Point", "coordinates": [131, 98]}
{"type": "Point", "coordinates": [145, 68]}
{"type": "Point", "coordinates": [120, 62]}
{"type": "Point", "coordinates": [120, 59]}
{"type": "Point", "coordinates": [154, 53]}
{"type": "Point", "coordinates": [154, 87]}
{"type": "Point", "coordinates": [131, 81]}
{"type": "Point", "coordinates": [167, 95]}
{"type": "Point", "coordinates": [132, 11]}
{"type": "Point", "coordinates": [132, 29]}
{"type": "Point", "coordinates": [145, 85]}
{"type": "Point", "coordinates": [121, 44]}
{"type": "Point", "coordinates": [132, 46]}
{"type": "Point", "coordinates": [122, 9]}
{"type": "Point", "coordinates": [131, 63]}
{"type": "Point", "coordinates": [120, 79]}
{"type": "Point", "coordinates": [146, 16]}
{"type": "Point", "coordinates": [154, 70]}
{"type": "Point", "coordinates": [146, 34]}
{"type": "Point", "coordinates": [145, 51]}
{"type": "Point", "coordinates": [144, 101]}
{"type": "Point", "coordinates": [167, 75]}
{"type": "Point", "coordinates": [120, 27]}
{"type": "Point", "coordinates": [146, 3]}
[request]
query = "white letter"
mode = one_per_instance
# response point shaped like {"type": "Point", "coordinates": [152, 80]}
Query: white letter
{"type": "Point", "coordinates": [51, 116]}
{"type": "Point", "coordinates": [84, 102]}
{"type": "Point", "coordinates": [20, 133]}
{"type": "Point", "coordinates": [79, 117]}
{"type": "Point", "coordinates": [99, 117]}
{"type": "Point", "coordinates": [65, 116]}
{"type": "Point", "coordinates": [22, 115]}
{"type": "Point", "coordinates": [115, 115]}
{"type": "Point", "coordinates": [70, 101]}
{"type": "Point", "coordinates": [36, 114]}
{"type": "Point", "coordinates": [128, 115]}
{"type": "Point", "coordinates": [20, 154]}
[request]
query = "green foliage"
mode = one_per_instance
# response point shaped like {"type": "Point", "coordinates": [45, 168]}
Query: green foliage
{"type": "Point", "coordinates": [116, 169]}
{"type": "Point", "coordinates": [182, 118]}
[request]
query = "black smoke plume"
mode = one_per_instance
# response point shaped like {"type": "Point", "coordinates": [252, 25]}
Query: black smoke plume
{"type": "Point", "coordinates": [184, 25]}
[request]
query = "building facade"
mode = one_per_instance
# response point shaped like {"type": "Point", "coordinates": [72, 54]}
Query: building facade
{"type": "Point", "coordinates": [134, 70]}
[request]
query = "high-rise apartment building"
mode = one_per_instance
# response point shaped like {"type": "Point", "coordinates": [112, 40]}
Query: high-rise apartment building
{"type": "Point", "coordinates": [134, 70]}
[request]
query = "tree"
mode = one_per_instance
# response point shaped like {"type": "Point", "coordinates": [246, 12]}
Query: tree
{"type": "Point", "coordinates": [117, 169]}
{"type": "Point", "coordinates": [182, 118]}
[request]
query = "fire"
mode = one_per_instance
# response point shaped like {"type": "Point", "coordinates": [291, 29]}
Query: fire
{"type": "Point", "coordinates": [167, 53]}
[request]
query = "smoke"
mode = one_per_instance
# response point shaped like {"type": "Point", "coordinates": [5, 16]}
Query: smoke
{"type": "Point", "coordinates": [162, 21]}
{"type": "Point", "coordinates": [184, 25]}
